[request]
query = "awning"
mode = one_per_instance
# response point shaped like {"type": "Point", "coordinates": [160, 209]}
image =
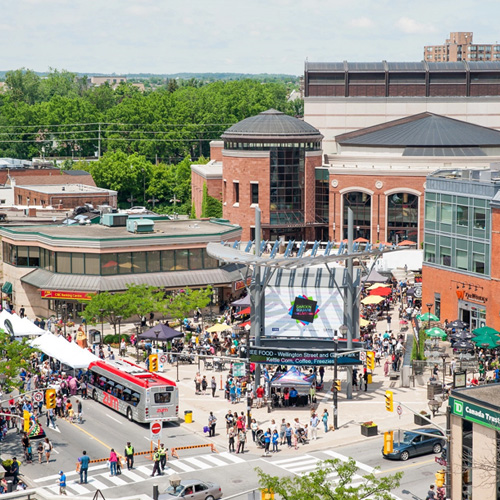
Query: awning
{"type": "Point", "coordinates": [7, 287]}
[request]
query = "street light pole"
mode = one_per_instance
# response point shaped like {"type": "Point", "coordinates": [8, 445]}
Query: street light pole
{"type": "Point", "coordinates": [137, 326]}
{"type": "Point", "coordinates": [429, 305]}
{"type": "Point", "coordinates": [64, 307]}
{"type": "Point", "coordinates": [102, 325]}
{"type": "Point", "coordinates": [335, 392]}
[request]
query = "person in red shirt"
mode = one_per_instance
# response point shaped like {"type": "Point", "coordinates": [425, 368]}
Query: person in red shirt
{"type": "Point", "coordinates": [260, 396]}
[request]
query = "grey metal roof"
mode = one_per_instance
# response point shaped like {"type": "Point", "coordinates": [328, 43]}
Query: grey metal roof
{"type": "Point", "coordinates": [423, 130]}
{"type": "Point", "coordinates": [406, 67]}
{"type": "Point", "coordinates": [271, 123]}
{"type": "Point", "coordinates": [458, 151]}
{"type": "Point", "coordinates": [484, 65]}
{"type": "Point", "coordinates": [446, 66]}
{"type": "Point", "coordinates": [40, 278]}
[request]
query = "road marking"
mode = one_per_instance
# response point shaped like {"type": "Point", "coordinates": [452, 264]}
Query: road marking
{"type": "Point", "coordinates": [407, 466]}
{"type": "Point", "coordinates": [214, 460]}
{"type": "Point", "coordinates": [54, 429]}
{"type": "Point", "coordinates": [55, 451]}
{"type": "Point", "coordinates": [343, 458]}
{"type": "Point", "coordinates": [70, 473]}
{"type": "Point", "coordinates": [80, 489]}
{"type": "Point", "coordinates": [296, 459]}
{"type": "Point", "coordinates": [91, 436]}
{"type": "Point", "coordinates": [116, 480]}
{"type": "Point", "coordinates": [197, 463]}
{"type": "Point", "coordinates": [145, 470]}
{"type": "Point", "coordinates": [184, 467]}
{"type": "Point", "coordinates": [98, 485]}
{"type": "Point", "coordinates": [113, 418]}
{"type": "Point", "coordinates": [135, 477]}
{"type": "Point", "coordinates": [231, 458]}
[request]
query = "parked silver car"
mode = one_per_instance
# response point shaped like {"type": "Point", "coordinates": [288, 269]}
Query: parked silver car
{"type": "Point", "coordinates": [192, 489]}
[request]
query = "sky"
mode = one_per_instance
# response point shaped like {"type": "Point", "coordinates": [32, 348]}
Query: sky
{"type": "Point", "coordinates": [252, 36]}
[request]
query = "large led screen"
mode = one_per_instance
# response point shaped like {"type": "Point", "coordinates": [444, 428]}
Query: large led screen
{"type": "Point", "coordinates": [302, 304]}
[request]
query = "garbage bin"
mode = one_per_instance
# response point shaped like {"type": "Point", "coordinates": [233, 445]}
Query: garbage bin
{"type": "Point", "coordinates": [10, 486]}
{"type": "Point", "coordinates": [369, 379]}
{"type": "Point", "coordinates": [188, 416]}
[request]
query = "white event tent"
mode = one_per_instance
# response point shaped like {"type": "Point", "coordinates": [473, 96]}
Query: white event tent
{"type": "Point", "coordinates": [20, 326]}
{"type": "Point", "coordinates": [66, 352]}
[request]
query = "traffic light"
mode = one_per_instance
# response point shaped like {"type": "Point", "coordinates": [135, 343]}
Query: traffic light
{"type": "Point", "coordinates": [389, 401]}
{"type": "Point", "coordinates": [440, 478]}
{"type": "Point", "coordinates": [337, 385]}
{"type": "Point", "coordinates": [267, 494]}
{"type": "Point", "coordinates": [370, 360]}
{"type": "Point", "coordinates": [26, 420]}
{"type": "Point", "coordinates": [50, 398]}
{"type": "Point", "coordinates": [388, 442]}
{"type": "Point", "coordinates": [153, 362]}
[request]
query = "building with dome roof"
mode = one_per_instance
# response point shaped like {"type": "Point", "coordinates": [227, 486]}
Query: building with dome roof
{"type": "Point", "coordinates": [267, 161]}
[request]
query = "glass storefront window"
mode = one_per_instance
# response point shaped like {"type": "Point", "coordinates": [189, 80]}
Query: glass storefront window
{"type": "Point", "coordinates": [462, 215]}
{"type": "Point", "coordinates": [139, 262]}
{"type": "Point", "coordinates": [196, 258]}
{"type": "Point", "coordinates": [22, 256]}
{"type": "Point", "coordinates": [209, 262]}
{"type": "Point", "coordinates": [34, 257]}
{"type": "Point", "coordinates": [402, 217]}
{"type": "Point", "coordinates": [154, 262]}
{"type": "Point", "coordinates": [92, 264]}
{"type": "Point", "coordinates": [167, 260]}
{"type": "Point", "coordinates": [125, 265]}
{"type": "Point", "coordinates": [361, 205]}
{"type": "Point", "coordinates": [63, 265]}
{"type": "Point", "coordinates": [109, 264]}
{"type": "Point", "coordinates": [78, 263]}
{"type": "Point", "coordinates": [181, 260]}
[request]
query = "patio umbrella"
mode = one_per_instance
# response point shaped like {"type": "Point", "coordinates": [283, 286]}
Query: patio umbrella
{"type": "Point", "coordinates": [487, 343]}
{"type": "Point", "coordinates": [372, 299]}
{"type": "Point", "coordinates": [461, 336]}
{"type": "Point", "coordinates": [406, 243]}
{"type": "Point", "coordinates": [436, 333]}
{"type": "Point", "coordinates": [464, 345]}
{"type": "Point", "coordinates": [381, 291]}
{"type": "Point", "coordinates": [363, 322]}
{"type": "Point", "coordinates": [219, 327]}
{"type": "Point", "coordinates": [489, 339]}
{"type": "Point", "coordinates": [485, 330]}
{"type": "Point", "coordinates": [385, 244]}
{"type": "Point", "coordinates": [361, 240]}
{"type": "Point", "coordinates": [244, 311]}
{"type": "Point", "coordinates": [378, 285]}
{"type": "Point", "coordinates": [427, 317]}
{"type": "Point", "coordinates": [457, 324]}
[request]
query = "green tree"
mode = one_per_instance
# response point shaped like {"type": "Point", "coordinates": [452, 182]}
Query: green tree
{"type": "Point", "coordinates": [144, 299]}
{"type": "Point", "coordinates": [192, 215]}
{"type": "Point", "coordinates": [23, 85]}
{"type": "Point", "coordinates": [318, 486]}
{"type": "Point", "coordinates": [182, 304]}
{"type": "Point", "coordinates": [15, 356]}
{"type": "Point", "coordinates": [210, 207]}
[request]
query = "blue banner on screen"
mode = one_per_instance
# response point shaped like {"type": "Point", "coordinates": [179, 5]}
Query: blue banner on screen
{"type": "Point", "coordinates": [303, 303]}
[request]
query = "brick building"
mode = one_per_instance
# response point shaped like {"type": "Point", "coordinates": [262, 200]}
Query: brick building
{"type": "Point", "coordinates": [459, 47]}
{"type": "Point", "coordinates": [267, 161]}
{"type": "Point", "coordinates": [461, 270]}
{"type": "Point", "coordinates": [342, 97]}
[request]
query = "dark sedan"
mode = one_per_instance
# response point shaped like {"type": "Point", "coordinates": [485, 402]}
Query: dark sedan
{"type": "Point", "coordinates": [413, 444]}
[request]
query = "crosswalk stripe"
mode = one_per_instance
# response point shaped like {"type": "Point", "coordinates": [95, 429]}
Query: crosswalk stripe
{"type": "Point", "coordinates": [54, 489]}
{"type": "Point", "coordinates": [292, 460]}
{"type": "Point", "coordinates": [116, 480]}
{"type": "Point", "coordinates": [135, 477]}
{"type": "Point", "coordinates": [231, 457]}
{"type": "Point", "coordinates": [214, 460]}
{"type": "Point", "coordinates": [180, 465]}
{"type": "Point", "coordinates": [145, 469]}
{"type": "Point", "coordinates": [197, 463]}
{"type": "Point", "coordinates": [97, 484]}
{"type": "Point", "coordinates": [78, 488]}
{"type": "Point", "coordinates": [359, 465]}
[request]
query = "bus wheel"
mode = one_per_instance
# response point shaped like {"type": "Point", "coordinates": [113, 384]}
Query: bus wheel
{"type": "Point", "coordinates": [94, 396]}
{"type": "Point", "coordinates": [129, 414]}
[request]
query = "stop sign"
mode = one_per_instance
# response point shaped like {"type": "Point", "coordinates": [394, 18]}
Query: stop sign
{"type": "Point", "coordinates": [155, 428]}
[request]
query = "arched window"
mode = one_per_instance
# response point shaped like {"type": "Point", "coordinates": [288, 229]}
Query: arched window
{"type": "Point", "coordinates": [402, 217]}
{"type": "Point", "coordinates": [360, 203]}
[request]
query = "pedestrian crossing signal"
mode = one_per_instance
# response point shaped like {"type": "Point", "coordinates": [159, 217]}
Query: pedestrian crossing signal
{"type": "Point", "coordinates": [50, 398]}
{"type": "Point", "coordinates": [370, 360]}
{"type": "Point", "coordinates": [440, 478]}
{"type": "Point", "coordinates": [337, 385]}
{"type": "Point", "coordinates": [153, 362]}
{"type": "Point", "coordinates": [389, 401]}
{"type": "Point", "coordinates": [26, 420]}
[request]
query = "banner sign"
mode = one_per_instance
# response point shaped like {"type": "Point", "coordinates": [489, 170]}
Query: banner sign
{"type": "Point", "coordinates": [312, 357]}
{"type": "Point", "coordinates": [475, 413]}
{"type": "Point", "coordinates": [239, 285]}
{"type": "Point", "coordinates": [54, 294]}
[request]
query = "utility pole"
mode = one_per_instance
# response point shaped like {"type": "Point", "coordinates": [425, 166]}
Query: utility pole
{"type": "Point", "coordinates": [174, 200]}
{"type": "Point", "coordinates": [349, 302]}
{"type": "Point", "coordinates": [153, 200]}
{"type": "Point", "coordinates": [335, 375]}
{"type": "Point", "coordinates": [256, 323]}
{"type": "Point", "coordinates": [99, 142]}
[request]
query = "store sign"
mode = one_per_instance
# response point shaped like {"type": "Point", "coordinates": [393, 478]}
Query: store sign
{"type": "Point", "coordinates": [307, 357]}
{"type": "Point", "coordinates": [239, 285]}
{"type": "Point", "coordinates": [475, 413]}
{"type": "Point", "coordinates": [463, 295]}
{"type": "Point", "coordinates": [54, 294]}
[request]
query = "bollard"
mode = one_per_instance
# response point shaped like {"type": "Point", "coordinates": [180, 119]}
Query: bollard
{"type": "Point", "coordinates": [221, 386]}
{"type": "Point", "coordinates": [155, 492]}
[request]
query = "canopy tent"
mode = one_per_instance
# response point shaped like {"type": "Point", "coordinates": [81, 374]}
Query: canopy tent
{"type": "Point", "coordinates": [378, 285]}
{"type": "Point", "coordinates": [166, 333]}
{"type": "Point", "coordinates": [363, 322]}
{"type": "Point", "coordinates": [243, 302]}
{"type": "Point", "coordinates": [244, 311]}
{"type": "Point", "coordinates": [219, 327]}
{"type": "Point", "coordinates": [372, 299]}
{"type": "Point", "coordinates": [68, 353]}
{"type": "Point", "coordinates": [20, 326]}
{"type": "Point", "coordinates": [292, 378]}
{"type": "Point", "coordinates": [381, 291]}
{"type": "Point", "coordinates": [374, 277]}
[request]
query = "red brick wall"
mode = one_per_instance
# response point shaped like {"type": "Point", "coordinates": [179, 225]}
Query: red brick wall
{"type": "Point", "coordinates": [216, 151]}
{"type": "Point", "coordinates": [214, 189]}
{"type": "Point", "coordinates": [69, 200]}
{"type": "Point", "coordinates": [31, 177]}
{"type": "Point", "coordinates": [245, 170]}
{"type": "Point", "coordinates": [379, 200]}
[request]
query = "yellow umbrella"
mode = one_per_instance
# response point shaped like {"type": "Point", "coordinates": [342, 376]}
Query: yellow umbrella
{"type": "Point", "coordinates": [377, 285]}
{"type": "Point", "coordinates": [363, 322]}
{"type": "Point", "coordinates": [218, 327]}
{"type": "Point", "coordinates": [372, 299]}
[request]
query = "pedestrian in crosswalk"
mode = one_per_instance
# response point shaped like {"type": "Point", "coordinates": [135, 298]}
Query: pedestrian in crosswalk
{"type": "Point", "coordinates": [314, 426]}
{"type": "Point", "coordinates": [129, 455]}
{"type": "Point", "coordinates": [163, 456]}
{"type": "Point", "coordinates": [156, 466]}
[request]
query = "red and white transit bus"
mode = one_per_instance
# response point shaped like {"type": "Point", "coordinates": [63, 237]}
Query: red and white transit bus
{"type": "Point", "coordinates": [130, 389]}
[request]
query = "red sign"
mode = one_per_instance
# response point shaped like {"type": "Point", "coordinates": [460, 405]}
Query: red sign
{"type": "Point", "coordinates": [110, 401]}
{"type": "Point", "coordinates": [55, 294]}
{"type": "Point", "coordinates": [155, 428]}
{"type": "Point", "coordinates": [238, 285]}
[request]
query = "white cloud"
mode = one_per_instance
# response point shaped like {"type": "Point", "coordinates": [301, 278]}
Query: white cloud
{"type": "Point", "coordinates": [411, 26]}
{"type": "Point", "coordinates": [361, 22]}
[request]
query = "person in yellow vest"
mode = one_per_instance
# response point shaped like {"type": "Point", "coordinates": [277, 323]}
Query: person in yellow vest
{"type": "Point", "coordinates": [163, 456]}
{"type": "Point", "coordinates": [129, 455]}
{"type": "Point", "coordinates": [156, 466]}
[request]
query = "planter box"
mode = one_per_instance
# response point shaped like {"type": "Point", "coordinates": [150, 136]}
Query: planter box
{"type": "Point", "coordinates": [369, 431]}
{"type": "Point", "coordinates": [420, 421]}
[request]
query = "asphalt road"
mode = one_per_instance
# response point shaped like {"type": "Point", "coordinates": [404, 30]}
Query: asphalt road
{"type": "Point", "coordinates": [104, 429]}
